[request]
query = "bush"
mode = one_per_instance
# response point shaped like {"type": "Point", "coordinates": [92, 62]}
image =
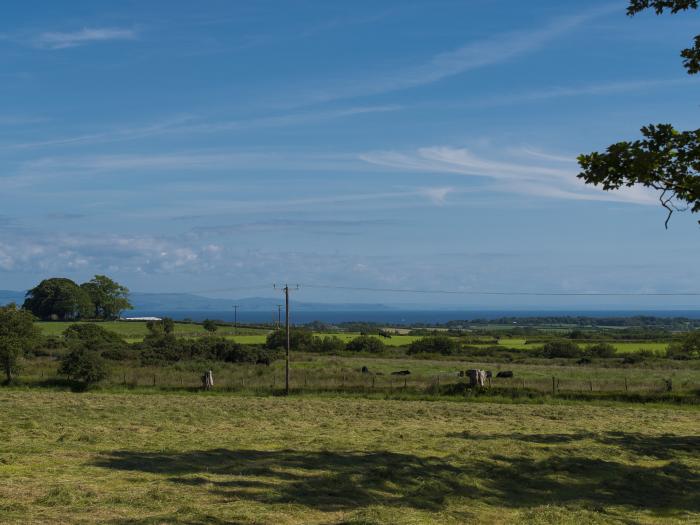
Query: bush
{"type": "Point", "coordinates": [365, 343]}
{"type": "Point", "coordinates": [688, 348]}
{"type": "Point", "coordinates": [437, 344]}
{"type": "Point", "coordinates": [83, 366]}
{"type": "Point", "coordinates": [159, 347]}
{"type": "Point", "coordinates": [299, 339]}
{"type": "Point", "coordinates": [601, 350]}
{"type": "Point", "coordinates": [96, 338]}
{"type": "Point", "coordinates": [327, 345]}
{"type": "Point", "coordinates": [561, 349]}
{"type": "Point", "coordinates": [209, 325]}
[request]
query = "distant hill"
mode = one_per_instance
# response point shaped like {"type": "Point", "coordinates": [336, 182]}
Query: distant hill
{"type": "Point", "coordinates": [9, 296]}
{"type": "Point", "coordinates": [182, 301]}
{"type": "Point", "coordinates": [179, 301]}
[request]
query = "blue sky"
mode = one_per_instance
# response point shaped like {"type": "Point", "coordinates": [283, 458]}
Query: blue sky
{"type": "Point", "coordinates": [182, 146]}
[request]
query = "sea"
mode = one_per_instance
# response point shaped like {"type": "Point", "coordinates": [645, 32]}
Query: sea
{"type": "Point", "coordinates": [397, 317]}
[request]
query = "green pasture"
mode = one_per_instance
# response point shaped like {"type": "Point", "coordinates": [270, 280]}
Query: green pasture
{"type": "Point", "coordinates": [315, 373]}
{"type": "Point", "coordinates": [199, 458]}
{"type": "Point", "coordinates": [134, 331]}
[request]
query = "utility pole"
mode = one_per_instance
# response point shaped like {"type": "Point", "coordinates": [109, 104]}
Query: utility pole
{"type": "Point", "coordinates": [287, 330]}
{"type": "Point", "coordinates": [279, 316]}
{"type": "Point", "coordinates": [235, 319]}
{"type": "Point", "coordinates": [286, 324]}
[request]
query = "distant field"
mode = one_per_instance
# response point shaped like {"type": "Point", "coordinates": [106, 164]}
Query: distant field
{"type": "Point", "coordinates": [134, 331]}
{"type": "Point", "coordinates": [166, 458]}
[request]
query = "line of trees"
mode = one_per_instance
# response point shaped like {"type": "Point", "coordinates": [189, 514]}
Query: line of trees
{"type": "Point", "coordinates": [61, 299]}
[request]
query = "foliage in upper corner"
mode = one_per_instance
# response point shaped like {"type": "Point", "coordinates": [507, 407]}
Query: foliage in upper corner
{"type": "Point", "coordinates": [666, 159]}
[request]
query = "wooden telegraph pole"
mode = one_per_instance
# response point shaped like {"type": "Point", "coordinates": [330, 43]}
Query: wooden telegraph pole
{"type": "Point", "coordinates": [286, 324]}
{"type": "Point", "coordinates": [288, 336]}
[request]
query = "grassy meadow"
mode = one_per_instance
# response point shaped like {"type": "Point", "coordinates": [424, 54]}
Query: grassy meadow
{"type": "Point", "coordinates": [208, 458]}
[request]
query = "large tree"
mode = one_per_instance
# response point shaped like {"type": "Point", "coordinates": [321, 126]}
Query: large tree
{"type": "Point", "coordinates": [58, 299]}
{"type": "Point", "coordinates": [666, 159]}
{"type": "Point", "coordinates": [108, 297]}
{"type": "Point", "coordinates": [17, 335]}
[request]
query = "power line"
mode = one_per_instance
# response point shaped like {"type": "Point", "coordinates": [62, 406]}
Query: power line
{"type": "Point", "coordinates": [506, 293]}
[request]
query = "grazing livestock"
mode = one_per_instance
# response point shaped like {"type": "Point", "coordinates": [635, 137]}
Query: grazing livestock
{"type": "Point", "coordinates": [207, 380]}
{"type": "Point", "coordinates": [365, 370]}
{"type": "Point", "coordinates": [477, 378]}
{"type": "Point", "coordinates": [489, 374]}
{"type": "Point", "coordinates": [263, 361]}
{"type": "Point", "coordinates": [505, 373]}
{"type": "Point", "coordinates": [401, 373]}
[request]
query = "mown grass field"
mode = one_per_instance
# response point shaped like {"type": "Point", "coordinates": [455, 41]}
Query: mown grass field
{"type": "Point", "coordinates": [200, 458]}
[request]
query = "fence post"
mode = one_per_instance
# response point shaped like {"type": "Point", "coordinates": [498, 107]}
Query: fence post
{"type": "Point", "coordinates": [404, 383]}
{"type": "Point", "coordinates": [554, 386]}
{"type": "Point", "coordinates": [590, 384]}
{"type": "Point", "coordinates": [154, 380]}
{"type": "Point", "coordinates": [523, 383]}
{"type": "Point", "coordinates": [626, 384]}
{"type": "Point", "coordinates": [372, 382]}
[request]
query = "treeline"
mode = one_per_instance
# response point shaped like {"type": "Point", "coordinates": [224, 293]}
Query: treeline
{"type": "Point", "coordinates": [61, 299]}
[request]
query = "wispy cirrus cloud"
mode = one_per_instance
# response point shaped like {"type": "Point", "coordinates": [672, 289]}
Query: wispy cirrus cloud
{"type": "Point", "coordinates": [555, 92]}
{"type": "Point", "coordinates": [496, 49]}
{"type": "Point", "coordinates": [190, 124]}
{"type": "Point", "coordinates": [546, 178]}
{"type": "Point", "coordinates": [63, 40]}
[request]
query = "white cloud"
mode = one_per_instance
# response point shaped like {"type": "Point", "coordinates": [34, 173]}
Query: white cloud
{"type": "Point", "coordinates": [58, 40]}
{"type": "Point", "coordinates": [545, 179]}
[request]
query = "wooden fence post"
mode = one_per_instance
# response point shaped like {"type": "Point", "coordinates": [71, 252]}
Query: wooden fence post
{"type": "Point", "coordinates": [554, 386]}
{"type": "Point", "coordinates": [404, 383]}
{"type": "Point", "coordinates": [372, 382]}
{"type": "Point", "coordinates": [590, 384]}
{"type": "Point", "coordinates": [154, 380]}
{"type": "Point", "coordinates": [626, 384]}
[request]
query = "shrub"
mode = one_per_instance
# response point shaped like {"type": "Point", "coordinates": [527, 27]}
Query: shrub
{"type": "Point", "coordinates": [327, 345]}
{"type": "Point", "coordinates": [365, 343]}
{"type": "Point", "coordinates": [688, 348]}
{"type": "Point", "coordinates": [601, 350]}
{"type": "Point", "coordinates": [96, 338]}
{"type": "Point", "coordinates": [209, 325]}
{"type": "Point", "coordinates": [299, 339]}
{"type": "Point", "coordinates": [159, 347]}
{"type": "Point", "coordinates": [561, 349]}
{"type": "Point", "coordinates": [83, 366]}
{"type": "Point", "coordinates": [436, 344]}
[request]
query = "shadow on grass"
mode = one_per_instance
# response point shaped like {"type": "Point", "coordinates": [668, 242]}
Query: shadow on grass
{"type": "Point", "coordinates": [327, 481]}
{"type": "Point", "coordinates": [665, 446]}
{"type": "Point", "coordinates": [332, 481]}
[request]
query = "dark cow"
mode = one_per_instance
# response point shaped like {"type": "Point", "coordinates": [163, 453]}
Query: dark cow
{"type": "Point", "coordinates": [505, 373]}
{"type": "Point", "coordinates": [489, 374]}
{"type": "Point", "coordinates": [365, 370]}
{"type": "Point", "coordinates": [263, 361]}
{"type": "Point", "coordinates": [401, 373]}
